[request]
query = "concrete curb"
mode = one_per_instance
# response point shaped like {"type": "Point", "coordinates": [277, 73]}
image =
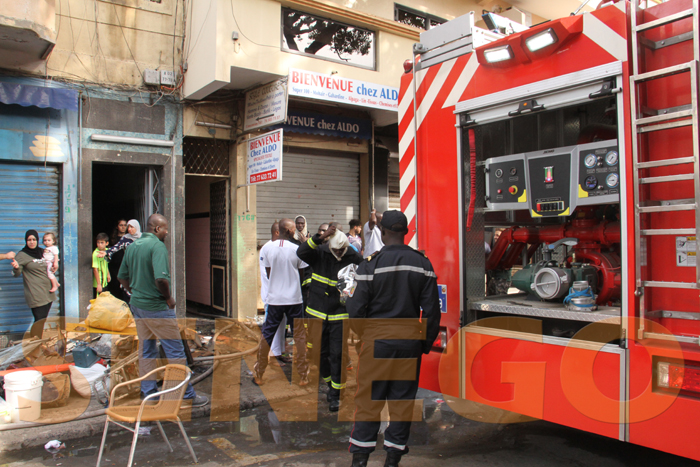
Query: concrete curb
{"type": "Point", "coordinates": [21, 438]}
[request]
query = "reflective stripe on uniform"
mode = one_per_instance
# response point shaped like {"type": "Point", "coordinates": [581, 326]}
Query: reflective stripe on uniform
{"type": "Point", "coordinates": [306, 282]}
{"type": "Point", "coordinates": [363, 444]}
{"type": "Point", "coordinates": [311, 244]}
{"type": "Point", "coordinates": [337, 386]}
{"type": "Point", "coordinates": [327, 379]}
{"type": "Point", "coordinates": [315, 313]}
{"type": "Point", "coordinates": [384, 270]}
{"type": "Point", "coordinates": [392, 445]}
{"type": "Point", "coordinates": [338, 317]}
{"type": "Point", "coordinates": [323, 280]}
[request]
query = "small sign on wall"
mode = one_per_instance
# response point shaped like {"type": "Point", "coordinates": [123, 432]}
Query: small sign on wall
{"type": "Point", "coordinates": [264, 162]}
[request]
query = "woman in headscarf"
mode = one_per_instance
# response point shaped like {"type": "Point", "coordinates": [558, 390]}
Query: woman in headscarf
{"type": "Point", "coordinates": [133, 229]}
{"type": "Point", "coordinates": [29, 263]}
{"type": "Point", "coordinates": [116, 261]}
{"type": "Point", "coordinates": [300, 234]}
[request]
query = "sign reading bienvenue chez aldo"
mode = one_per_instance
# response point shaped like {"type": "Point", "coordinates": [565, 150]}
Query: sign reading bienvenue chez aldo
{"type": "Point", "coordinates": [264, 162]}
{"type": "Point", "coordinates": [346, 90]}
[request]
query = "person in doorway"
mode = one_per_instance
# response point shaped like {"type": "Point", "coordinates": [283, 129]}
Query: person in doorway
{"type": "Point", "coordinates": [354, 234]}
{"type": "Point", "coordinates": [324, 303]}
{"type": "Point", "coordinates": [300, 234]}
{"type": "Point", "coordinates": [8, 255]}
{"type": "Point", "coordinates": [101, 276]}
{"type": "Point", "coordinates": [398, 282]}
{"type": "Point", "coordinates": [145, 274]}
{"type": "Point", "coordinates": [116, 259]}
{"type": "Point", "coordinates": [283, 269]}
{"type": "Point", "coordinates": [29, 263]}
{"type": "Point", "coordinates": [133, 229]}
{"type": "Point", "coordinates": [372, 234]}
{"type": "Point", "coordinates": [51, 259]}
{"type": "Point", "coordinates": [278, 347]}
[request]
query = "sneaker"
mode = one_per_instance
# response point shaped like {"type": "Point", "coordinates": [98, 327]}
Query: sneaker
{"type": "Point", "coordinates": [198, 401]}
{"type": "Point", "coordinates": [285, 358]}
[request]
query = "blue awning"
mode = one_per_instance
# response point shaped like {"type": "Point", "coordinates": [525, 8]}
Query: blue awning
{"type": "Point", "coordinates": [27, 95]}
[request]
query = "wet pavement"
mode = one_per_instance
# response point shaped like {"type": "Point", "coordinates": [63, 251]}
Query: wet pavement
{"type": "Point", "coordinates": [258, 438]}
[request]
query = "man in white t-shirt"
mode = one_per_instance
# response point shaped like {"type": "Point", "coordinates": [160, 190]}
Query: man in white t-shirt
{"type": "Point", "coordinates": [284, 298]}
{"type": "Point", "coordinates": [372, 234]}
{"type": "Point", "coordinates": [278, 346]}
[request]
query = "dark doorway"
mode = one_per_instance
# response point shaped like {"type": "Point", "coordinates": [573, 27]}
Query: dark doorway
{"type": "Point", "coordinates": [121, 191]}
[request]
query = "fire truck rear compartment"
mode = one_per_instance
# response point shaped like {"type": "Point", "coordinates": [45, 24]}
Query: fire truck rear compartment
{"type": "Point", "coordinates": [549, 182]}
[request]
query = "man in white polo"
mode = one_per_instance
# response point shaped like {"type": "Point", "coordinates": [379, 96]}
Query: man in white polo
{"type": "Point", "coordinates": [284, 298]}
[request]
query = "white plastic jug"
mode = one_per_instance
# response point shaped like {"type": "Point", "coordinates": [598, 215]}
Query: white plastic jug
{"type": "Point", "coordinates": [23, 393]}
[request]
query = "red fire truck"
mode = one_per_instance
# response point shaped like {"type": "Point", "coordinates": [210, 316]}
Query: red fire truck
{"type": "Point", "coordinates": [577, 141]}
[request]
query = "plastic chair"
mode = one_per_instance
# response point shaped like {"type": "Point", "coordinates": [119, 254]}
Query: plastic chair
{"type": "Point", "coordinates": [167, 407]}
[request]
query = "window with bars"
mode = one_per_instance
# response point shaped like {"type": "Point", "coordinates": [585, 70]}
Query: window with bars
{"type": "Point", "coordinates": [416, 18]}
{"type": "Point", "coordinates": [204, 156]}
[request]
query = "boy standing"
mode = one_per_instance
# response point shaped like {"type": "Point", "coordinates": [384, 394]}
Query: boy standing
{"type": "Point", "coordinates": [100, 266]}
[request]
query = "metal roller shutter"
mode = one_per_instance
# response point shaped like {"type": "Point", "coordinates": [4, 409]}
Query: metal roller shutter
{"type": "Point", "coordinates": [30, 200]}
{"type": "Point", "coordinates": [321, 188]}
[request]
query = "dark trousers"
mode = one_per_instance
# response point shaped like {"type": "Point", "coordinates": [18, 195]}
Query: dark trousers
{"type": "Point", "coordinates": [40, 313]}
{"type": "Point", "coordinates": [332, 362]}
{"type": "Point", "coordinates": [371, 396]}
{"type": "Point", "coordinates": [272, 323]}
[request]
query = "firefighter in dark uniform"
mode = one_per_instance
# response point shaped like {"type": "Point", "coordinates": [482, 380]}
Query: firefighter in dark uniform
{"type": "Point", "coordinates": [394, 284]}
{"type": "Point", "coordinates": [326, 259]}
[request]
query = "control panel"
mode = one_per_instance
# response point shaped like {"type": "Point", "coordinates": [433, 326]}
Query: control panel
{"type": "Point", "coordinates": [506, 187]}
{"type": "Point", "coordinates": [598, 173]}
{"type": "Point", "coordinates": [549, 174]}
{"type": "Point", "coordinates": [553, 182]}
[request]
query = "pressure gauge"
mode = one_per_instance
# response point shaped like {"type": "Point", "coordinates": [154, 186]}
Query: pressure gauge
{"type": "Point", "coordinates": [611, 158]}
{"type": "Point", "coordinates": [591, 183]}
{"type": "Point", "coordinates": [612, 180]}
{"type": "Point", "coordinates": [499, 173]}
{"type": "Point", "coordinates": [591, 160]}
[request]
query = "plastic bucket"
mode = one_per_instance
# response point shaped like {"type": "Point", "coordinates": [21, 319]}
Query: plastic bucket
{"type": "Point", "coordinates": [23, 394]}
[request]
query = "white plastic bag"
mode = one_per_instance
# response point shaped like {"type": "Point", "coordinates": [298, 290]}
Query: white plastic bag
{"type": "Point", "coordinates": [83, 379]}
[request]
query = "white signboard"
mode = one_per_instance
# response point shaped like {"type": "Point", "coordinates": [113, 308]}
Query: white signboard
{"type": "Point", "coordinates": [265, 106]}
{"type": "Point", "coordinates": [346, 90]}
{"type": "Point", "coordinates": [264, 158]}
{"type": "Point", "coordinates": [685, 252]}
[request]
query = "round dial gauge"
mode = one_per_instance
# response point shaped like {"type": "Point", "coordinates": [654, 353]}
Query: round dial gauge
{"type": "Point", "coordinates": [499, 173]}
{"type": "Point", "coordinates": [611, 158]}
{"type": "Point", "coordinates": [591, 160]}
{"type": "Point", "coordinates": [612, 180]}
{"type": "Point", "coordinates": [591, 183]}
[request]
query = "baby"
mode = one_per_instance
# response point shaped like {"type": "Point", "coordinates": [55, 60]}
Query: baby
{"type": "Point", "coordinates": [51, 259]}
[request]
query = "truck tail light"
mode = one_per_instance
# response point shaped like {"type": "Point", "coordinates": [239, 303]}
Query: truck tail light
{"type": "Point", "coordinates": [498, 54]}
{"type": "Point", "coordinates": [678, 376]}
{"type": "Point", "coordinates": [541, 40]}
{"type": "Point", "coordinates": [440, 343]}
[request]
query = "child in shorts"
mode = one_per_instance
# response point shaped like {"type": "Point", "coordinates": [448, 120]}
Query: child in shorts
{"type": "Point", "coordinates": [100, 267]}
{"type": "Point", "coordinates": [51, 259]}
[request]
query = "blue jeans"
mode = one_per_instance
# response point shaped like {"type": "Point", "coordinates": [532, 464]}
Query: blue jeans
{"type": "Point", "coordinates": [161, 325]}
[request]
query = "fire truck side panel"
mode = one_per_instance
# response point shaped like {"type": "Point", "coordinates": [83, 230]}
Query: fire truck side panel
{"type": "Point", "coordinates": [661, 420]}
{"type": "Point", "coordinates": [544, 381]}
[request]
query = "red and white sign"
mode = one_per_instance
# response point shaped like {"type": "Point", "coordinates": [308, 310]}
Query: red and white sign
{"type": "Point", "coordinates": [334, 88]}
{"type": "Point", "coordinates": [264, 158]}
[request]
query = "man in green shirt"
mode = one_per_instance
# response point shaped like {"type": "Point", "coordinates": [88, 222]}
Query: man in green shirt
{"type": "Point", "coordinates": [145, 274]}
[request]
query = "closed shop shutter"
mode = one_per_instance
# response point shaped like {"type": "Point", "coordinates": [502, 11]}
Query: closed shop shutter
{"type": "Point", "coordinates": [30, 200]}
{"type": "Point", "coordinates": [323, 188]}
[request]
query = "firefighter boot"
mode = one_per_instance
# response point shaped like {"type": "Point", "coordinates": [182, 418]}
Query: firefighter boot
{"type": "Point", "coordinates": [392, 459]}
{"type": "Point", "coordinates": [360, 459]}
{"type": "Point", "coordinates": [334, 400]}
